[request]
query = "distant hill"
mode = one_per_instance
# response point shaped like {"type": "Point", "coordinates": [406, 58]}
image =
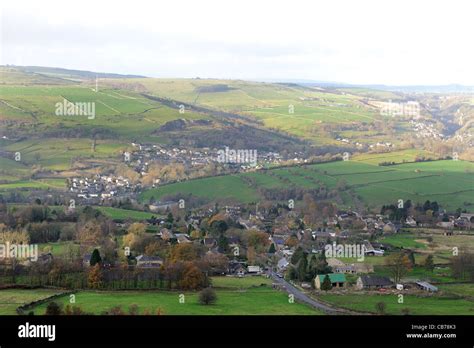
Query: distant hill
{"type": "Point", "coordinates": [68, 73]}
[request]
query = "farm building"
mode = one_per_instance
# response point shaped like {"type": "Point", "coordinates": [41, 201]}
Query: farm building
{"type": "Point", "coordinates": [354, 268]}
{"type": "Point", "coordinates": [149, 261]}
{"type": "Point", "coordinates": [338, 280]}
{"type": "Point", "coordinates": [372, 282]}
{"type": "Point", "coordinates": [427, 286]}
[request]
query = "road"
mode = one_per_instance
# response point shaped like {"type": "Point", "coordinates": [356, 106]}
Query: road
{"type": "Point", "coordinates": [302, 297]}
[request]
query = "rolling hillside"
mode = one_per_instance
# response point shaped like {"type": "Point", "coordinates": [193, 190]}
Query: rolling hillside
{"type": "Point", "coordinates": [451, 183]}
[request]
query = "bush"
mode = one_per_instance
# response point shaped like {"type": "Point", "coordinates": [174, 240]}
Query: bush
{"type": "Point", "coordinates": [207, 296]}
{"type": "Point", "coordinates": [133, 309]}
{"type": "Point", "coordinates": [53, 309]}
{"type": "Point", "coordinates": [380, 307]}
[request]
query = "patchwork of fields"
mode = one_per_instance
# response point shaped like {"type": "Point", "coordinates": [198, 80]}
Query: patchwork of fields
{"type": "Point", "coordinates": [289, 108]}
{"type": "Point", "coordinates": [451, 183]}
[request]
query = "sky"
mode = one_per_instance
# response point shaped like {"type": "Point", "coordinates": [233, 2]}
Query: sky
{"type": "Point", "coordinates": [401, 42]}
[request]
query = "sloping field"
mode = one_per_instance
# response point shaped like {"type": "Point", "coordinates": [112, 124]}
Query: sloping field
{"type": "Point", "coordinates": [125, 113]}
{"type": "Point", "coordinates": [450, 183]}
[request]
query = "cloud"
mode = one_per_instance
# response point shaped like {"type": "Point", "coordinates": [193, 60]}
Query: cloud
{"type": "Point", "coordinates": [391, 42]}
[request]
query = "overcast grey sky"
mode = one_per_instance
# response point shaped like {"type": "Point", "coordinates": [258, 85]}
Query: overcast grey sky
{"type": "Point", "coordinates": [367, 42]}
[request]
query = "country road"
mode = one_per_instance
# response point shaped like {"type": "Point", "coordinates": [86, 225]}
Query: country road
{"type": "Point", "coordinates": [302, 297]}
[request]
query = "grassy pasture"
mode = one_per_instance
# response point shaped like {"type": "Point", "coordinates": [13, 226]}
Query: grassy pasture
{"type": "Point", "coordinates": [10, 299]}
{"type": "Point", "coordinates": [123, 214]}
{"type": "Point", "coordinates": [433, 305]}
{"type": "Point", "coordinates": [125, 113]}
{"type": "Point", "coordinates": [451, 183]}
{"type": "Point", "coordinates": [246, 296]}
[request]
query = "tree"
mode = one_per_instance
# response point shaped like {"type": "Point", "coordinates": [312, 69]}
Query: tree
{"type": "Point", "coordinates": [223, 243]}
{"type": "Point", "coordinates": [207, 296]}
{"type": "Point", "coordinates": [53, 309]}
{"type": "Point", "coordinates": [462, 266]}
{"type": "Point", "coordinates": [153, 248]}
{"type": "Point", "coordinates": [302, 268]}
{"type": "Point", "coordinates": [326, 285]}
{"type": "Point", "coordinates": [95, 258]}
{"type": "Point", "coordinates": [184, 252]}
{"type": "Point", "coordinates": [411, 257]}
{"type": "Point", "coordinates": [170, 219]}
{"type": "Point", "coordinates": [192, 277]}
{"type": "Point", "coordinates": [429, 264]}
{"type": "Point", "coordinates": [90, 234]}
{"type": "Point", "coordinates": [215, 263]}
{"type": "Point", "coordinates": [272, 249]}
{"type": "Point", "coordinates": [399, 265]}
{"type": "Point", "coordinates": [297, 255]}
{"type": "Point", "coordinates": [94, 278]}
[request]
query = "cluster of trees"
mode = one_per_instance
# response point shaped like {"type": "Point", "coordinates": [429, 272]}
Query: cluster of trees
{"type": "Point", "coordinates": [305, 267]}
{"type": "Point", "coordinates": [54, 308]}
{"type": "Point", "coordinates": [399, 264]}
{"type": "Point", "coordinates": [397, 213]}
{"type": "Point", "coordinates": [462, 266]}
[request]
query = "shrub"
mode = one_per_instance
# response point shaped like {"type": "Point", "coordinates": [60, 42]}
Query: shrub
{"type": "Point", "coordinates": [53, 309]}
{"type": "Point", "coordinates": [207, 296]}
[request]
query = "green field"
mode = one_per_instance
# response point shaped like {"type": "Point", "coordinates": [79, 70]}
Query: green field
{"type": "Point", "coordinates": [405, 241]}
{"type": "Point", "coordinates": [245, 296]}
{"type": "Point", "coordinates": [58, 248]}
{"type": "Point", "coordinates": [123, 214]}
{"type": "Point", "coordinates": [450, 183]}
{"type": "Point", "coordinates": [434, 305]}
{"type": "Point", "coordinates": [465, 290]}
{"type": "Point", "coordinates": [10, 299]}
{"type": "Point", "coordinates": [227, 187]}
{"type": "Point", "coordinates": [240, 283]}
{"type": "Point", "coordinates": [126, 113]}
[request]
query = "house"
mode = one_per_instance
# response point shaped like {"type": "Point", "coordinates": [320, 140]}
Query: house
{"type": "Point", "coordinates": [467, 216]}
{"type": "Point", "coordinates": [182, 238]}
{"type": "Point", "coordinates": [373, 282]}
{"type": "Point", "coordinates": [162, 206]}
{"type": "Point", "coordinates": [354, 268]}
{"type": "Point", "coordinates": [254, 269]}
{"type": "Point", "coordinates": [148, 261]}
{"type": "Point", "coordinates": [426, 286]}
{"type": "Point", "coordinates": [166, 234]}
{"type": "Point", "coordinates": [333, 262]}
{"type": "Point", "coordinates": [45, 258]}
{"type": "Point", "coordinates": [282, 264]}
{"type": "Point", "coordinates": [337, 280]}
{"type": "Point", "coordinates": [236, 268]}
{"type": "Point", "coordinates": [410, 221]}
{"type": "Point", "coordinates": [374, 252]}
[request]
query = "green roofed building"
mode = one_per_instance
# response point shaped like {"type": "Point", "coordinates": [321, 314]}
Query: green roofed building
{"type": "Point", "coordinates": [338, 280]}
